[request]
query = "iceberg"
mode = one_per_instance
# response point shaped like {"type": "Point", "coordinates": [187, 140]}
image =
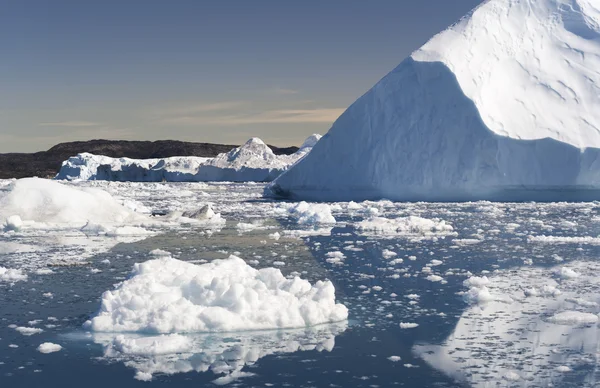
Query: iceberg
{"type": "Point", "coordinates": [166, 295]}
{"type": "Point", "coordinates": [503, 105]}
{"type": "Point", "coordinates": [40, 203]}
{"type": "Point", "coordinates": [252, 162]}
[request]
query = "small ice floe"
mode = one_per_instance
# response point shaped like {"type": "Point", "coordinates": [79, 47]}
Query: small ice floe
{"type": "Point", "coordinates": [434, 278]}
{"type": "Point", "coordinates": [394, 358]}
{"type": "Point", "coordinates": [563, 369]}
{"type": "Point", "coordinates": [49, 347]}
{"type": "Point", "coordinates": [335, 257]}
{"type": "Point", "coordinates": [312, 213]}
{"type": "Point", "coordinates": [28, 331]}
{"type": "Point", "coordinates": [566, 273]}
{"type": "Point", "coordinates": [10, 275]}
{"type": "Point", "coordinates": [13, 223]}
{"type": "Point", "coordinates": [573, 318]}
{"type": "Point", "coordinates": [512, 376]}
{"type": "Point", "coordinates": [408, 325]}
{"type": "Point", "coordinates": [405, 226]}
{"type": "Point", "coordinates": [166, 295]}
{"type": "Point", "coordinates": [159, 253]}
{"type": "Point", "coordinates": [387, 254]}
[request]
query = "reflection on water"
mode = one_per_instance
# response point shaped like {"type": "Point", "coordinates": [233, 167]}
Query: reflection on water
{"type": "Point", "coordinates": [226, 355]}
{"type": "Point", "coordinates": [540, 329]}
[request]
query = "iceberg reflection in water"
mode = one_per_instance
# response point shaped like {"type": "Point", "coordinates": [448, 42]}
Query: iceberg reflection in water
{"type": "Point", "coordinates": [224, 354]}
{"type": "Point", "coordinates": [530, 325]}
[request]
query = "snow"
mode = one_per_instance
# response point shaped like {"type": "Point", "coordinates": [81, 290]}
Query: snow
{"type": "Point", "coordinates": [253, 161]}
{"type": "Point", "coordinates": [166, 295]}
{"type": "Point", "coordinates": [512, 84]}
{"type": "Point", "coordinates": [49, 347]}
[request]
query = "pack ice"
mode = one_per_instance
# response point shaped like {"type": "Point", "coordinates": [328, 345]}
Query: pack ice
{"type": "Point", "coordinates": [252, 162]}
{"type": "Point", "coordinates": [502, 105]}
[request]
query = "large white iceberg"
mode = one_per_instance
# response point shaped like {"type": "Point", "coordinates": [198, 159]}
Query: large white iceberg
{"type": "Point", "coordinates": [32, 202]}
{"type": "Point", "coordinates": [252, 162]}
{"type": "Point", "coordinates": [505, 104]}
{"type": "Point", "coordinates": [166, 295]}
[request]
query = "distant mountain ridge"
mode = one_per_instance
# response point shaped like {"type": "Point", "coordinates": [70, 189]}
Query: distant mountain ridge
{"type": "Point", "coordinates": [47, 163]}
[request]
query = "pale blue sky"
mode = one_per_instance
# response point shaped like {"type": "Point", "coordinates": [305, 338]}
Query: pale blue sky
{"type": "Point", "coordinates": [208, 71]}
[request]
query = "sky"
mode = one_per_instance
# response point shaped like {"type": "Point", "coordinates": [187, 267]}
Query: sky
{"type": "Point", "coordinates": [217, 71]}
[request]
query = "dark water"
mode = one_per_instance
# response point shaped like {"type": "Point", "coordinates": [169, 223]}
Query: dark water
{"type": "Point", "coordinates": [348, 355]}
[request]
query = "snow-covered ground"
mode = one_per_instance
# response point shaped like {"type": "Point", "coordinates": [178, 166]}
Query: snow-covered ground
{"type": "Point", "coordinates": [502, 105]}
{"type": "Point", "coordinates": [252, 162]}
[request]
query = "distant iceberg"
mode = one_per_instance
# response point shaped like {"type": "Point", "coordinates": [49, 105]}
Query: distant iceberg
{"type": "Point", "coordinates": [503, 105]}
{"type": "Point", "coordinates": [252, 162]}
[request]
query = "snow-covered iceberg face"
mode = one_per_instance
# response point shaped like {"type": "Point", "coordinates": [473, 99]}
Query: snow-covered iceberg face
{"type": "Point", "coordinates": [225, 356]}
{"type": "Point", "coordinates": [528, 325]}
{"type": "Point", "coordinates": [529, 66]}
{"type": "Point", "coordinates": [166, 295]}
{"type": "Point", "coordinates": [502, 106]}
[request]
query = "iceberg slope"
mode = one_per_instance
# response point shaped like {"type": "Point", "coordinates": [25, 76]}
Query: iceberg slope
{"type": "Point", "coordinates": [501, 105]}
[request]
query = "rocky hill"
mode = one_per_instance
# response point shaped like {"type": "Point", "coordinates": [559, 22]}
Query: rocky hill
{"type": "Point", "coordinates": [47, 163]}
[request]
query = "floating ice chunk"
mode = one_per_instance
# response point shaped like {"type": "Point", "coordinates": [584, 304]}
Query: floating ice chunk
{"type": "Point", "coordinates": [387, 254]}
{"type": "Point", "coordinates": [405, 226]}
{"type": "Point", "coordinates": [566, 273]}
{"type": "Point", "coordinates": [166, 295]}
{"type": "Point", "coordinates": [478, 295]}
{"type": "Point", "coordinates": [27, 331]}
{"type": "Point", "coordinates": [408, 325]}
{"type": "Point", "coordinates": [160, 253]}
{"type": "Point", "coordinates": [129, 231]}
{"type": "Point", "coordinates": [434, 278]}
{"type": "Point", "coordinates": [336, 257]}
{"type": "Point", "coordinates": [312, 213]}
{"type": "Point", "coordinates": [49, 202]}
{"type": "Point", "coordinates": [10, 275]}
{"type": "Point", "coordinates": [572, 318]}
{"type": "Point", "coordinates": [563, 369]}
{"type": "Point", "coordinates": [394, 358]}
{"type": "Point", "coordinates": [564, 240]}
{"type": "Point", "coordinates": [475, 281]}
{"type": "Point", "coordinates": [49, 347]}
{"type": "Point", "coordinates": [13, 222]}
{"type": "Point", "coordinates": [512, 376]}
{"type": "Point", "coordinates": [204, 213]}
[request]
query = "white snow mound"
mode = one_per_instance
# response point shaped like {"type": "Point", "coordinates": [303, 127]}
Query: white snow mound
{"type": "Point", "coordinates": [502, 105]}
{"type": "Point", "coordinates": [166, 295]}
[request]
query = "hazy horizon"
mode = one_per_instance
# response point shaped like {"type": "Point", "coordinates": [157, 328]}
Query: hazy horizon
{"type": "Point", "coordinates": [217, 72]}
